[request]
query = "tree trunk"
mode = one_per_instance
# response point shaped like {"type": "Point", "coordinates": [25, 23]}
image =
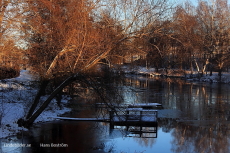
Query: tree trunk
{"type": "Point", "coordinates": [191, 67]}
{"type": "Point", "coordinates": [220, 73]}
{"type": "Point", "coordinates": [210, 69]}
{"type": "Point", "coordinates": [210, 73]}
{"type": "Point", "coordinates": [37, 98]}
{"type": "Point", "coordinates": [30, 119]}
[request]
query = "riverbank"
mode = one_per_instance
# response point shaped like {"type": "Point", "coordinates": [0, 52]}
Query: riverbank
{"type": "Point", "coordinates": [188, 75]}
{"type": "Point", "coordinates": [16, 94]}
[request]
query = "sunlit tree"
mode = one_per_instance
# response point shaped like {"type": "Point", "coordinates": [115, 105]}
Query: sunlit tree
{"type": "Point", "coordinates": [10, 50]}
{"type": "Point", "coordinates": [213, 19]}
{"type": "Point", "coordinates": [68, 38]}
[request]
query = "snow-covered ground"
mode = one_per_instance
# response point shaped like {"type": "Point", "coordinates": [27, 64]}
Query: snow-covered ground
{"type": "Point", "coordinates": [16, 95]}
{"type": "Point", "coordinates": [177, 73]}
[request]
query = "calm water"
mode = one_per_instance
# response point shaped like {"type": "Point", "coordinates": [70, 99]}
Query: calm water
{"type": "Point", "coordinates": [195, 119]}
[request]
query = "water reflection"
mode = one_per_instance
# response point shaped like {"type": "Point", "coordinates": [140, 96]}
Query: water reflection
{"type": "Point", "coordinates": [196, 101]}
{"type": "Point", "coordinates": [201, 139]}
{"type": "Point", "coordinates": [195, 118]}
{"type": "Point", "coordinates": [203, 124]}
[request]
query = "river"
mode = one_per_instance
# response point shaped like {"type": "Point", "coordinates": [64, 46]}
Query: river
{"type": "Point", "coordinates": [195, 119]}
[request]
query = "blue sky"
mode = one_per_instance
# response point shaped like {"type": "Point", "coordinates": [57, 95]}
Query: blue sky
{"type": "Point", "coordinates": [194, 2]}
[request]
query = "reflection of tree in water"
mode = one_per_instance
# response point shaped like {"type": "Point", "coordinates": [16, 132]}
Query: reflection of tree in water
{"type": "Point", "coordinates": [205, 139]}
{"type": "Point", "coordinates": [146, 142]}
{"type": "Point", "coordinates": [167, 124]}
{"type": "Point", "coordinates": [206, 115]}
{"type": "Point", "coordinates": [205, 105]}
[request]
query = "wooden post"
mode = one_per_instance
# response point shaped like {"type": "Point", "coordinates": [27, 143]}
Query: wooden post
{"type": "Point", "coordinates": [111, 115]}
{"type": "Point", "coordinates": [127, 115]}
{"type": "Point", "coordinates": [140, 116]}
{"type": "Point", "coordinates": [141, 131]}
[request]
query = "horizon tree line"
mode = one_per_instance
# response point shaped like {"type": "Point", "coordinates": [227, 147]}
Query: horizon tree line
{"type": "Point", "coordinates": [63, 36]}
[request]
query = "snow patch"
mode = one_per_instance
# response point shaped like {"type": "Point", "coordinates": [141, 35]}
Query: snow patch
{"type": "Point", "coordinates": [16, 95]}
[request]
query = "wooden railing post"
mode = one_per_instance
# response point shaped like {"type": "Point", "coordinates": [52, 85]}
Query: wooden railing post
{"type": "Point", "coordinates": [111, 119]}
{"type": "Point", "coordinates": [140, 116]}
{"type": "Point", "coordinates": [127, 115]}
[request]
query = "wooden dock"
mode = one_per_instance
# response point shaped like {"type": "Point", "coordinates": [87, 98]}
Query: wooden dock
{"type": "Point", "coordinates": [142, 114]}
{"type": "Point", "coordinates": [129, 117]}
{"type": "Point", "coordinates": [133, 117]}
{"type": "Point", "coordinates": [140, 119]}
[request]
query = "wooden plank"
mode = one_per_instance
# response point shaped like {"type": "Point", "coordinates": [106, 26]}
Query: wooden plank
{"type": "Point", "coordinates": [134, 118]}
{"type": "Point", "coordinates": [111, 105]}
{"type": "Point", "coordinates": [83, 119]}
{"type": "Point", "coordinates": [135, 123]}
{"type": "Point", "coordinates": [121, 118]}
{"type": "Point", "coordinates": [134, 109]}
{"type": "Point", "coordinates": [141, 109]}
{"type": "Point", "coordinates": [145, 105]}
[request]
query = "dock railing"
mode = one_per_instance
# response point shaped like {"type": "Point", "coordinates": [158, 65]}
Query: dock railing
{"type": "Point", "coordinates": [134, 116]}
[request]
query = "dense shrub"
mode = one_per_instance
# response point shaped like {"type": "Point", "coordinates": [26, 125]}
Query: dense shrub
{"type": "Point", "coordinates": [8, 72]}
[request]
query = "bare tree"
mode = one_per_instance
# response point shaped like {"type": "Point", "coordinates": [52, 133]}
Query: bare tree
{"type": "Point", "coordinates": [10, 51]}
{"type": "Point", "coordinates": [71, 37]}
{"type": "Point", "coordinates": [185, 25]}
{"type": "Point", "coordinates": [214, 27]}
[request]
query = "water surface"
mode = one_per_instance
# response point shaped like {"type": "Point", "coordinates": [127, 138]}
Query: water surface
{"type": "Point", "coordinates": [195, 118]}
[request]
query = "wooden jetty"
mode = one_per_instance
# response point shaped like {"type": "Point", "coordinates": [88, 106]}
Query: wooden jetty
{"type": "Point", "coordinates": [133, 117]}
{"type": "Point", "coordinates": [142, 114]}
{"type": "Point", "coordinates": [120, 118]}
{"type": "Point", "coordinates": [140, 120]}
{"type": "Point", "coordinates": [129, 117]}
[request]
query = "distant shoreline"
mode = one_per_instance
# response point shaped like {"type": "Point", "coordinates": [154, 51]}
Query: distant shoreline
{"type": "Point", "coordinates": [187, 75]}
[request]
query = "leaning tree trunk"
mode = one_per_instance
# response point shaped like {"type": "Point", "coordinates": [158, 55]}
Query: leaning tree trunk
{"type": "Point", "coordinates": [43, 86]}
{"type": "Point", "coordinates": [30, 119]}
